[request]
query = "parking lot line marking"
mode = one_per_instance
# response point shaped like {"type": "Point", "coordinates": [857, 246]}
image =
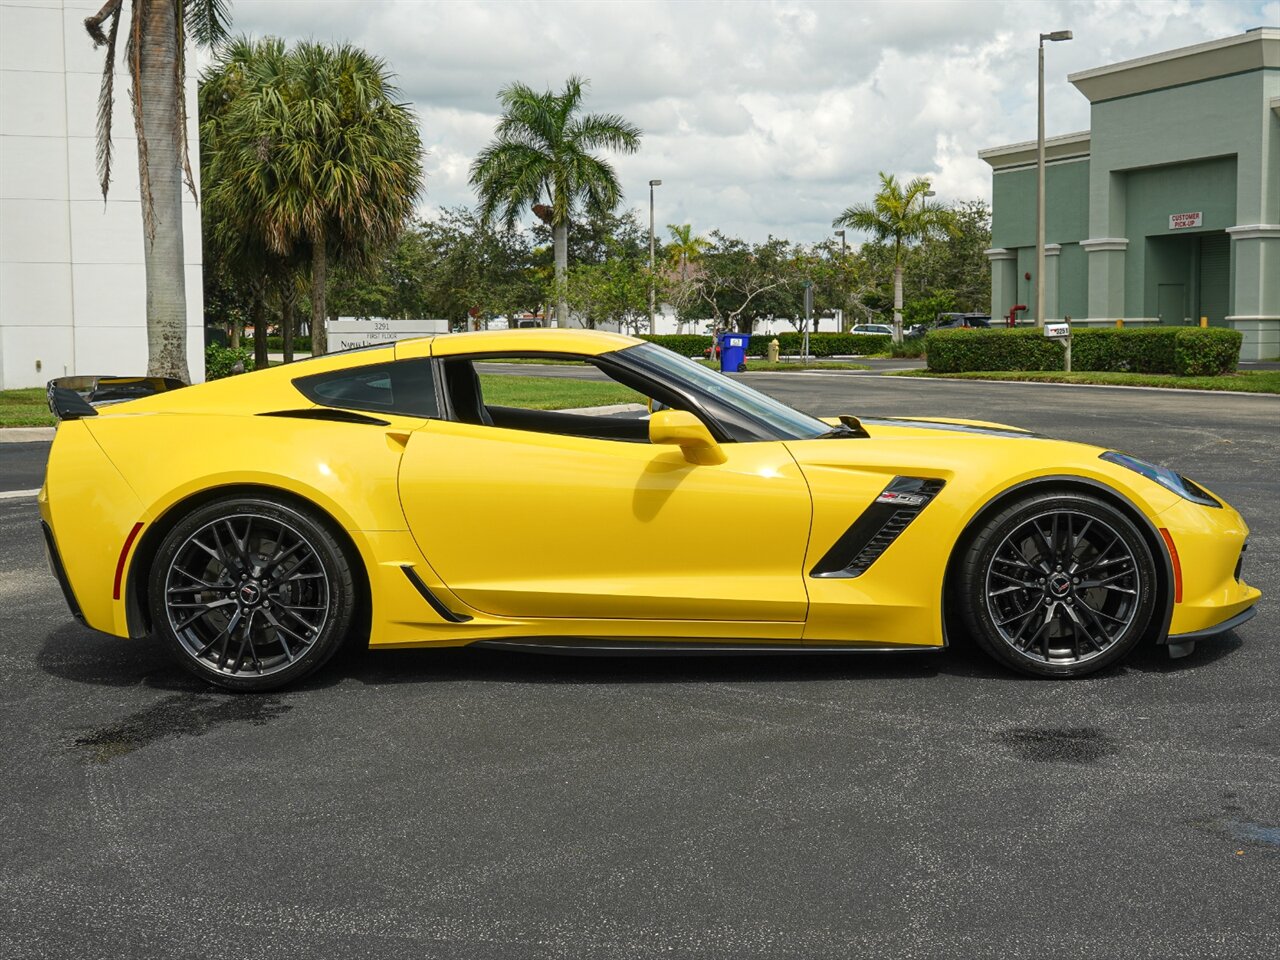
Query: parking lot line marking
{"type": "Point", "coordinates": [17, 494]}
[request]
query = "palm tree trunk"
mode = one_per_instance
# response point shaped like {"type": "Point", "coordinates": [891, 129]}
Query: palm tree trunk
{"type": "Point", "coordinates": [258, 313]}
{"type": "Point", "coordinates": [286, 326]}
{"type": "Point", "coordinates": [319, 268]}
{"type": "Point", "coordinates": [160, 177]}
{"type": "Point", "coordinates": [560, 240]}
{"type": "Point", "coordinates": [235, 333]}
{"type": "Point", "coordinates": [897, 302]}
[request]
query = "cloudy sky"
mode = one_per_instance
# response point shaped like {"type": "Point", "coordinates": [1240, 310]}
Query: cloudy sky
{"type": "Point", "coordinates": [759, 117]}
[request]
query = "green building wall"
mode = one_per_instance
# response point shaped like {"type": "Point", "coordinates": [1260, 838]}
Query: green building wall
{"type": "Point", "coordinates": [1210, 147]}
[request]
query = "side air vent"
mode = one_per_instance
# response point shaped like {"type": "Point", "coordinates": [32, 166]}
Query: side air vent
{"type": "Point", "coordinates": [432, 600]}
{"type": "Point", "coordinates": [877, 528]}
{"type": "Point", "coordinates": [328, 414]}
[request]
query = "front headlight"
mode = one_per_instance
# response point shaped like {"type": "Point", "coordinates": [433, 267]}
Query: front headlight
{"type": "Point", "coordinates": [1175, 482]}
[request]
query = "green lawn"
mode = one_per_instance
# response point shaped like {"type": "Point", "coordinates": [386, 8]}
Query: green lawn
{"type": "Point", "coordinates": [1247, 381]}
{"type": "Point", "coordinates": [764, 366]}
{"type": "Point", "coordinates": [25, 408]}
{"type": "Point", "coordinates": [552, 393]}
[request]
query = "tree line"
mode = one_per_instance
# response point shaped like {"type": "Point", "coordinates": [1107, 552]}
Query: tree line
{"type": "Point", "coordinates": [311, 170]}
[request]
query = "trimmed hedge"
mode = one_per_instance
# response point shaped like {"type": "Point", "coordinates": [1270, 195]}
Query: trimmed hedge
{"type": "Point", "coordinates": [685, 344]}
{"type": "Point", "coordinates": [1185, 351]}
{"type": "Point", "coordinates": [820, 344]}
{"type": "Point", "coordinates": [276, 344]}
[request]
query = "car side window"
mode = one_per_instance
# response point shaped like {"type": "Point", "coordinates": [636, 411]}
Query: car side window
{"type": "Point", "coordinates": [557, 394]}
{"type": "Point", "coordinates": [405, 387]}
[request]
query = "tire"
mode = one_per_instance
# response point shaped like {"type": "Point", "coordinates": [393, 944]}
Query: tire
{"type": "Point", "coordinates": [251, 593]}
{"type": "Point", "coordinates": [1058, 585]}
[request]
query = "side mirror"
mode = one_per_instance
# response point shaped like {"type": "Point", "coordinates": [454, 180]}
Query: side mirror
{"type": "Point", "coordinates": [691, 434]}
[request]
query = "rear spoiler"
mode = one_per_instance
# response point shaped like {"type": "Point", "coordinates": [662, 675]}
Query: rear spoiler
{"type": "Point", "coordinates": [71, 398]}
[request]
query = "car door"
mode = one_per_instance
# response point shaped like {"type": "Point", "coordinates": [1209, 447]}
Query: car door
{"type": "Point", "coordinates": [524, 524]}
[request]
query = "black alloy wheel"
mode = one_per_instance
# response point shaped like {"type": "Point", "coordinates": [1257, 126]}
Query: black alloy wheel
{"type": "Point", "coordinates": [251, 594]}
{"type": "Point", "coordinates": [1058, 585]}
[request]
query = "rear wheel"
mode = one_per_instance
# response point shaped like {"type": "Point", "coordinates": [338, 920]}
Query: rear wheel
{"type": "Point", "coordinates": [251, 593]}
{"type": "Point", "coordinates": [1058, 585]}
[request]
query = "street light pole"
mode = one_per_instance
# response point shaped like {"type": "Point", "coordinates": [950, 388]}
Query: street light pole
{"type": "Point", "coordinates": [844, 326]}
{"type": "Point", "coordinates": [1055, 36]}
{"type": "Point", "coordinates": [652, 292]}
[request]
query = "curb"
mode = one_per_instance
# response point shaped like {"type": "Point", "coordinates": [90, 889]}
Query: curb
{"type": "Point", "coordinates": [25, 434]}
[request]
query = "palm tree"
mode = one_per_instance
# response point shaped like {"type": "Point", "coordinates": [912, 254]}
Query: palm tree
{"type": "Point", "coordinates": [155, 51]}
{"type": "Point", "coordinates": [683, 249]}
{"type": "Point", "coordinates": [316, 158]}
{"type": "Point", "coordinates": [235, 232]}
{"type": "Point", "coordinates": [903, 217]}
{"type": "Point", "coordinates": [542, 151]}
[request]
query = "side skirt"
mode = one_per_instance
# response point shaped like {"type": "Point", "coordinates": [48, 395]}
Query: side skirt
{"type": "Point", "coordinates": [596, 647]}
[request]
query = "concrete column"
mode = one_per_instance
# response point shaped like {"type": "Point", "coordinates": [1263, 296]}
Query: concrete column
{"type": "Point", "coordinates": [1255, 296]}
{"type": "Point", "coordinates": [1106, 276]}
{"type": "Point", "coordinates": [1004, 280]}
{"type": "Point", "coordinates": [1052, 252]}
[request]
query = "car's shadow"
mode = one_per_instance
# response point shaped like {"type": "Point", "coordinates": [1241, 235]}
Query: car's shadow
{"type": "Point", "coordinates": [73, 653]}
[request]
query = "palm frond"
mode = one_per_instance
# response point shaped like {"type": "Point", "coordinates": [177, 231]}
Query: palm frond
{"type": "Point", "coordinates": [133, 54]}
{"type": "Point", "coordinates": [608, 130]}
{"type": "Point", "coordinates": [208, 20]}
{"type": "Point", "coordinates": [106, 93]}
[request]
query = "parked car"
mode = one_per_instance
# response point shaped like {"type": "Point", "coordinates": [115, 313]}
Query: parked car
{"type": "Point", "coordinates": [880, 329]}
{"type": "Point", "coordinates": [950, 321]}
{"type": "Point", "coordinates": [253, 524]}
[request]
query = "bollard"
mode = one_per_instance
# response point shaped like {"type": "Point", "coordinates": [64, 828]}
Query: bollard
{"type": "Point", "coordinates": [774, 347]}
{"type": "Point", "coordinates": [1204, 321]}
{"type": "Point", "coordinates": [1120, 323]}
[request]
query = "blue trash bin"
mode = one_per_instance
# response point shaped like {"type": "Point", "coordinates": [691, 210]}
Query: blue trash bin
{"type": "Point", "coordinates": [733, 351]}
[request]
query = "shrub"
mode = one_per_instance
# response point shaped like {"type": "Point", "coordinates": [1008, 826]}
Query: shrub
{"type": "Point", "coordinates": [218, 361]}
{"type": "Point", "coordinates": [685, 344]}
{"type": "Point", "coordinates": [1187, 351]}
{"type": "Point", "coordinates": [1207, 351]}
{"type": "Point", "coordinates": [959, 351]}
{"type": "Point", "coordinates": [820, 344]}
{"type": "Point", "coordinates": [276, 344]}
{"type": "Point", "coordinates": [909, 349]}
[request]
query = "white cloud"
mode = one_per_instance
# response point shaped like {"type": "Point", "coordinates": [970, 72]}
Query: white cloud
{"type": "Point", "coordinates": [765, 117]}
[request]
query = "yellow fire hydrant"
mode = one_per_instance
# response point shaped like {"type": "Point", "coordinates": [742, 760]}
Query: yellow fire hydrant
{"type": "Point", "coordinates": [774, 347]}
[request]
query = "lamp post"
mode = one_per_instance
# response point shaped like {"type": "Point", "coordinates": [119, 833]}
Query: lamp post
{"type": "Point", "coordinates": [652, 292]}
{"type": "Point", "coordinates": [1053, 37]}
{"type": "Point", "coordinates": [843, 251]}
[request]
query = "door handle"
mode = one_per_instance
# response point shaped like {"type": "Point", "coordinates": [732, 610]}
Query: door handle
{"type": "Point", "coordinates": [397, 440]}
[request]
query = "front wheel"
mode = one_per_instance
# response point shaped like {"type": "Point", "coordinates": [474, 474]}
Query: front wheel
{"type": "Point", "coordinates": [1058, 585]}
{"type": "Point", "coordinates": [251, 593]}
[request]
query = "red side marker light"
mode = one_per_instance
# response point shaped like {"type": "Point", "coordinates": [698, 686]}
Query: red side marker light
{"type": "Point", "coordinates": [124, 552]}
{"type": "Point", "coordinates": [1177, 565]}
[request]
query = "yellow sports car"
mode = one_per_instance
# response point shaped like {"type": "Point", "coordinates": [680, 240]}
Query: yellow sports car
{"type": "Point", "coordinates": [255, 523]}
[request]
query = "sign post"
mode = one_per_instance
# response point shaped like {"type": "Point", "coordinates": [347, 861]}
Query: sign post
{"type": "Point", "coordinates": [1062, 333]}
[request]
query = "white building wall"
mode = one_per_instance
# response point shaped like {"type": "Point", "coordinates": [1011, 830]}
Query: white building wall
{"type": "Point", "coordinates": [72, 281]}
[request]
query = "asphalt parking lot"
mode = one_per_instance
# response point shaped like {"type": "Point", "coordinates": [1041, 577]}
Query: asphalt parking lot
{"type": "Point", "coordinates": [461, 804]}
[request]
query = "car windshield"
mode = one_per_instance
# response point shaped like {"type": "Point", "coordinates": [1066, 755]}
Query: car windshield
{"type": "Point", "coordinates": [778, 419]}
